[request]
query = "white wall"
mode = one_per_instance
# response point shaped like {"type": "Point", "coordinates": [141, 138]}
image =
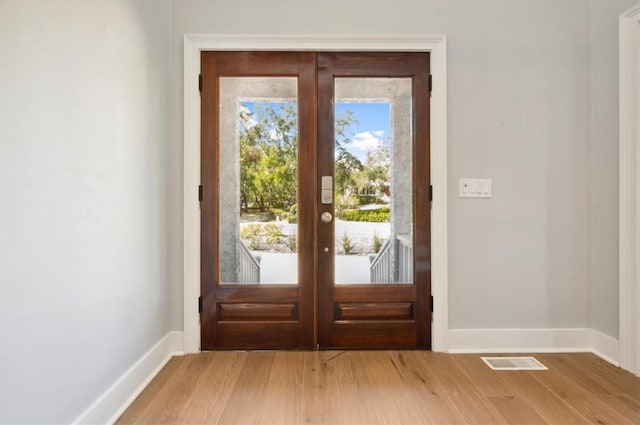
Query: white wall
{"type": "Point", "coordinates": [604, 164]}
{"type": "Point", "coordinates": [519, 112]}
{"type": "Point", "coordinates": [84, 289]}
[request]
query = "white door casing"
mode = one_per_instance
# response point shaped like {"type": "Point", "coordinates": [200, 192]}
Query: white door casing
{"type": "Point", "coordinates": [629, 229]}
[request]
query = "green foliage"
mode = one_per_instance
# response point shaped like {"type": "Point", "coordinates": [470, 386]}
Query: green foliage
{"type": "Point", "coordinates": [251, 235]}
{"type": "Point", "coordinates": [267, 236]}
{"type": "Point", "coordinates": [345, 203]}
{"type": "Point", "coordinates": [273, 233]}
{"type": "Point", "coordinates": [376, 171]}
{"type": "Point", "coordinates": [382, 215]}
{"type": "Point", "coordinates": [292, 243]}
{"type": "Point", "coordinates": [269, 161]}
{"type": "Point", "coordinates": [250, 230]}
{"type": "Point", "coordinates": [346, 244]}
{"type": "Point", "coordinates": [347, 166]}
{"type": "Point", "coordinates": [293, 214]}
{"type": "Point", "coordinates": [268, 156]}
{"type": "Point", "coordinates": [367, 199]}
{"type": "Point", "coordinates": [378, 241]}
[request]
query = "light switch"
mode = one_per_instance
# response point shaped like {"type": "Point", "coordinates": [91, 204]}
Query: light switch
{"type": "Point", "coordinates": [475, 188]}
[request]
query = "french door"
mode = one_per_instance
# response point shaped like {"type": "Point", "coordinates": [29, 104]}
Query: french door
{"type": "Point", "coordinates": [315, 211]}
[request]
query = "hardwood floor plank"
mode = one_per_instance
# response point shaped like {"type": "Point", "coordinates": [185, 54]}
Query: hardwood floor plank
{"type": "Point", "coordinates": [397, 402]}
{"type": "Point", "coordinates": [615, 378]}
{"type": "Point", "coordinates": [516, 411]}
{"type": "Point", "coordinates": [282, 402]}
{"type": "Point", "coordinates": [320, 400]}
{"type": "Point", "coordinates": [625, 406]}
{"type": "Point", "coordinates": [354, 390]}
{"type": "Point", "coordinates": [214, 387]}
{"type": "Point", "coordinates": [584, 376]}
{"type": "Point", "coordinates": [171, 400]}
{"type": "Point", "coordinates": [596, 410]}
{"type": "Point", "coordinates": [547, 404]}
{"type": "Point", "coordinates": [438, 405]}
{"type": "Point", "coordinates": [244, 404]}
{"type": "Point", "coordinates": [487, 381]}
{"type": "Point", "coordinates": [135, 410]}
{"type": "Point", "coordinates": [383, 387]}
{"type": "Point", "coordinates": [477, 408]}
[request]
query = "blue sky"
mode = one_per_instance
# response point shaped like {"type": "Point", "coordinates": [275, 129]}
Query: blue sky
{"type": "Point", "coordinates": [371, 129]}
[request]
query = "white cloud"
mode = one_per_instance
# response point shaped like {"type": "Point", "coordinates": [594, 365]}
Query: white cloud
{"type": "Point", "coordinates": [368, 140]}
{"type": "Point", "coordinates": [250, 122]}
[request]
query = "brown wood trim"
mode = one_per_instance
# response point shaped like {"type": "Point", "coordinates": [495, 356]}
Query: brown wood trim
{"type": "Point", "coordinates": [267, 335]}
{"type": "Point", "coordinates": [256, 294]}
{"type": "Point", "coordinates": [421, 203]}
{"type": "Point", "coordinates": [374, 293]}
{"type": "Point", "coordinates": [209, 262]}
{"type": "Point", "coordinates": [267, 312]}
{"type": "Point", "coordinates": [325, 232]}
{"type": "Point", "coordinates": [378, 311]}
{"type": "Point", "coordinates": [369, 334]}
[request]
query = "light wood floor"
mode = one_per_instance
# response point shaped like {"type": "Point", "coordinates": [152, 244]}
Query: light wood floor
{"type": "Point", "coordinates": [383, 387]}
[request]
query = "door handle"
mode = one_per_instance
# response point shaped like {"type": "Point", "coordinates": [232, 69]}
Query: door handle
{"type": "Point", "coordinates": [326, 217]}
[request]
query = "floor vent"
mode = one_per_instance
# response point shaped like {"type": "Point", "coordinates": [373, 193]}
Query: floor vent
{"type": "Point", "coordinates": [513, 363]}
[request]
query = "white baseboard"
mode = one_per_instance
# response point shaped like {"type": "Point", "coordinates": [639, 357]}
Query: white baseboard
{"type": "Point", "coordinates": [114, 401]}
{"type": "Point", "coordinates": [605, 347]}
{"type": "Point", "coordinates": [565, 340]}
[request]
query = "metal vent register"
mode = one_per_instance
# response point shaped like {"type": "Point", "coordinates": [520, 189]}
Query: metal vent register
{"type": "Point", "coordinates": [513, 363]}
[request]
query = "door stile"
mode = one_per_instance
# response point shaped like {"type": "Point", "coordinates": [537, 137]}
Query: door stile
{"type": "Point", "coordinates": [325, 232]}
{"type": "Point", "coordinates": [422, 214]}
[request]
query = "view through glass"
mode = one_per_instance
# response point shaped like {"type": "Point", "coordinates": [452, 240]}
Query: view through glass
{"type": "Point", "coordinates": [373, 181]}
{"type": "Point", "coordinates": [258, 180]}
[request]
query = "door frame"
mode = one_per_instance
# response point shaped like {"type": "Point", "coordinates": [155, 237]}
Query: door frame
{"type": "Point", "coordinates": [434, 44]}
{"type": "Point", "coordinates": [629, 229]}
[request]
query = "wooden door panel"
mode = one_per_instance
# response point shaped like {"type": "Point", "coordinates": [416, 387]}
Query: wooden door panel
{"type": "Point", "coordinates": [258, 335]}
{"type": "Point", "coordinates": [374, 311]}
{"type": "Point", "coordinates": [257, 312]}
{"type": "Point", "coordinates": [374, 315]}
{"type": "Point", "coordinates": [256, 316]}
{"type": "Point", "coordinates": [373, 334]}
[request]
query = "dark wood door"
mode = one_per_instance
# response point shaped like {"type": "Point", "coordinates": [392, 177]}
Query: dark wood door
{"type": "Point", "coordinates": [246, 97]}
{"type": "Point", "coordinates": [386, 303]}
{"type": "Point", "coordinates": [286, 137]}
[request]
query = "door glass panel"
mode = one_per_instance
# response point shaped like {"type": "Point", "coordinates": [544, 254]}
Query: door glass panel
{"type": "Point", "coordinates": [373, 191]}
{"type": "Point", "coordinates": [258, 180]}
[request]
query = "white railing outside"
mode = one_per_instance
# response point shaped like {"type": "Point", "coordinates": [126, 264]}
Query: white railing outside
{"type": "Point", "coordinates": [383, 267]}
{"type": "Point", "coordinates": [249, 266]}
{"type": "Point", "coordinates": [405, 258]}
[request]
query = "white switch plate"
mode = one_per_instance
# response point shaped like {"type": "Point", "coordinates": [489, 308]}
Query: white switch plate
{"type": "Point", "coordinates": [475, 188]}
